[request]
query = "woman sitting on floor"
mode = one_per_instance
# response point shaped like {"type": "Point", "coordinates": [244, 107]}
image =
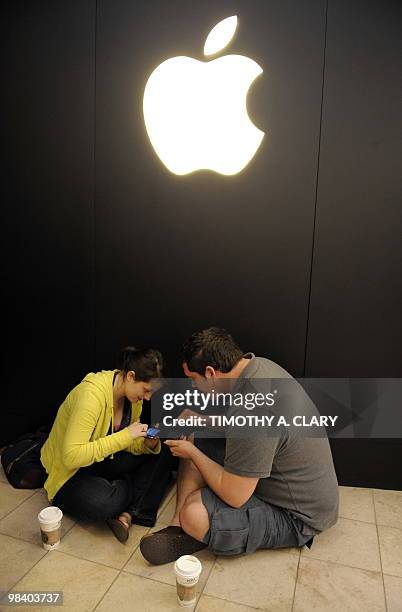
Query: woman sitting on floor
{"type": "Point", "coordinates": [99, 463]}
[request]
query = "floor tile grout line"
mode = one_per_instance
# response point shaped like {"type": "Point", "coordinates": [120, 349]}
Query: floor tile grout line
{"type": "Point", "coordinates": [363, 569]}
{"type": "Point", "coordinates": [104, 564]}
{"type": "Point", "coordinates": [70, 554]}
{"type": "Point", "coordinates": [17, 506]}
{"type": "Point", "coordinates": [68, 530]}
{"type": "Point", "coordinates": [375, 522]}
{"type": "Point", "coordinates": [30, 569]}
{"type": "Point", "coordinates": [392, 575]}
{"type": "Point", "coordinates": [368, 523]}
{"type": "Point", "coordinates": [63, 552]}
{"type": "Point", "coordinates": [167, 501]}
{"type": "Point", "coordinates": [297, 575]}
{"type": "Point", "coordinates": [21, 539]}
{"type": "Point", "coordinates": [119, 574]}
{"type": "Point", "coordinates": [379, 551]}
{"type": "Point", "coordinates": [170, 496]}
{"type": "Point", "coordinates": [386, 491]}
{"type": "Point", "coordinates": [198, 599]}
{"type": "Point", "coordinates": [357, 520]}
{"type": "Point", "coordinates": [88, 560]}
{"type": "Point", "coordinates": [233, 601]}
{"type": "Point", "coordinates": [199, 594]}
{"type": "Point", "coordinates": [135, 550]}
{"type": "Point", "coordinates": [225, 598]}
{"type": "Point", "coordinates": [107, 590]}
{"type": "Point", "coordinates": [388, 526]}
{"type": "Point", "coordinates": [171, 585]}
{"type": "Point", "coordinates": [162, 512]}
{"type": "Point", "coordinates": [157, 522]}
{"type": "Point", "coordinates": [151, 579]}
{"type": "Point", "coordinates": [164, 506]}
{"type": "Point", "coordinates": [208, 576]}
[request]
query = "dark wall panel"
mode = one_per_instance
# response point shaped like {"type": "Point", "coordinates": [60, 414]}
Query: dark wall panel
{"type": "Point", "coordinates": [355, 323]}
{"type": "Point", "coordinates": [356, 300]}
{"type": "Point", "coordinates": [175, 254]}
{"type": "Point", "coordinates": [47, 65]}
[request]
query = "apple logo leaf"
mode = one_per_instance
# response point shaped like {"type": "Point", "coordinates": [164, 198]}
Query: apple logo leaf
{"type": "Point", "coordinates": [220, 35]}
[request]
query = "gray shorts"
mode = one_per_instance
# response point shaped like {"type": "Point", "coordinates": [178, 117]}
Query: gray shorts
{"type": "Point", "coordinates": [256, 524]}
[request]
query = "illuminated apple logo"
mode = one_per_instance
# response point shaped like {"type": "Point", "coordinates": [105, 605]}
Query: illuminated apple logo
{"type": "Point", "coordinates": [195, 112]}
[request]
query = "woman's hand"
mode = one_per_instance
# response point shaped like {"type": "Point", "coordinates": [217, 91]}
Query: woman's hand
{"type": "Point", "coordinates": [138, 430]}
{"type": "Point", "coordinates": [181, 448]}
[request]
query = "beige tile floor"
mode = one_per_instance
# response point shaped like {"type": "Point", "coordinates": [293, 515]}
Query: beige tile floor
{"type": "Point", "coordinates": [354, 566]}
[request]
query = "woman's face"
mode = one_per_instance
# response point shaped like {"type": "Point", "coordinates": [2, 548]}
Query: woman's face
{"type": "Point", "coordinates": [136, 389]}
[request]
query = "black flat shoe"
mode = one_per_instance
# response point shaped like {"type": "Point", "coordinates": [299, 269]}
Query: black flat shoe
{"type": "Point", "coordinates": [119, 528]}
{"type": "Point", "coordinates": [168, 544]}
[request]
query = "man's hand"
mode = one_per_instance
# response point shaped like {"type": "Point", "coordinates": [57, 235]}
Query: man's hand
{"type": "Point", "coordinates": [187, 412]}
{"type": "Point", "coordinates": [181, 448]}
{"type": "Point", "coordinates": [151, 442]}
{"type": "Point", "coordinates": [233, 489]}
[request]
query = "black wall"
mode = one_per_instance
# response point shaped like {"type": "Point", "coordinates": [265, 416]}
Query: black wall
{"type": "Point", "coordinates": [355, 317]}
{"type": "Point", "coordinates": [47, 67]}
{"type": "Point", "coordinates": [299, 255]}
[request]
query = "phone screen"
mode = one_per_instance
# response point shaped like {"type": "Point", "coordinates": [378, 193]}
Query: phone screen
{"type": "Point", "coordinates": [152, 432]}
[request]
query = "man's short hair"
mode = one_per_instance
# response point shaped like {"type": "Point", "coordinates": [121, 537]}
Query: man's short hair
{"type": "Point", "coordinates": [213, 347]}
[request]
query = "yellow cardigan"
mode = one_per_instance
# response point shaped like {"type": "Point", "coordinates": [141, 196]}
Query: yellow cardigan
{"type": "Point", "coordinates": [79, 435]}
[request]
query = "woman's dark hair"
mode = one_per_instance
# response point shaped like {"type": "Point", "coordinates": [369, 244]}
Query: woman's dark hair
{"type": "Point", "coordinates": [213, 347]}
{"type": "Point", "coordinates": [146, 363]}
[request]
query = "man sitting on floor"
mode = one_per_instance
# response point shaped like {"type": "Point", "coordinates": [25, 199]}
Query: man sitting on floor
{"type": "Point", "coordinates": [238, 495]}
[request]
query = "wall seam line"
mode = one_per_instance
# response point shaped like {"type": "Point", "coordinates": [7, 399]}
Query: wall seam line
{"type": "Point", "coordinates": [94, 356]}
{"type": "Point", "coordinates": [316, 193]}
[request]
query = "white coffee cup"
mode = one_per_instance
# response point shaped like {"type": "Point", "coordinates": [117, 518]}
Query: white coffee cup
{"type": "Point", "coordinates": [50, 526]}
{"type": "Point", "coordinates": [188, 570]}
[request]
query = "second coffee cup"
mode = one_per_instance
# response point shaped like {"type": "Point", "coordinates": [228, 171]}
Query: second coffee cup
{"type": "Point", "coordinates": [188, 570]}
{"type": "Point", "coordinates": [50, 526]}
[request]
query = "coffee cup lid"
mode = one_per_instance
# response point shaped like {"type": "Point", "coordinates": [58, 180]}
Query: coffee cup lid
{"type": "Point", "coordinates": [188, 565]}
{"type": "Point", "coordinates": [51, 514]}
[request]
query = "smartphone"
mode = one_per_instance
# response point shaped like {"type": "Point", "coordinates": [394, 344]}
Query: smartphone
{"type": "Point", "coordinates": [152, 432]}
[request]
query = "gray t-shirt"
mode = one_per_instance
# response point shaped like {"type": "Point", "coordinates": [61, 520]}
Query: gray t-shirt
{"type": "Point", "coordinates": [296, 473]}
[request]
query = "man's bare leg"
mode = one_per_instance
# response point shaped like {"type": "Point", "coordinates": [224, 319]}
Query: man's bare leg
{"type": "Point", "coordinates": [172, 542]}
{"type": "Point", "coordinates": [189, 479]}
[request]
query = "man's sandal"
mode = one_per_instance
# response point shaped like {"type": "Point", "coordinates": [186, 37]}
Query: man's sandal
{"type": "Point", "coordinates": [120, 527]}
{"type": "Point", "coordinates": [168, 544]}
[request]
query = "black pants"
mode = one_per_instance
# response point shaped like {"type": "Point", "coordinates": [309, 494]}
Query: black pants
{"type": "Point", "coordinates": [126, 483]}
